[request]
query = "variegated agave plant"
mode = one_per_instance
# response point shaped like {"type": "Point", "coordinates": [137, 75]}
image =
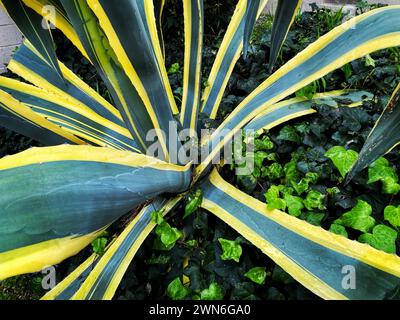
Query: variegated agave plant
{"type": "Point", "coordinates": [56, 200]}
{"type": "Point", "coordinates": [384, 137]}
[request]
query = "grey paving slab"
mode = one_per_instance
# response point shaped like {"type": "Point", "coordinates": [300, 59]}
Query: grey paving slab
{"type": "Point", "coordinates": [10, 38]}
{"type": "Point", "coordinates": [5, 56]}
{"type": "Point", "coordinates": [9, 35]}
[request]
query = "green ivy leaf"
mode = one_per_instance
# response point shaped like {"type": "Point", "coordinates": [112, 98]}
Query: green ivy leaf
{"type": "Point", "coordinates": [288, 133]}
{"type": "Point", "coordinates": [382, 238]}
{"type": "Point", "coordinates": [194, 202]}
{"type": "Point", "coordinates": [302, 128]}
{"type": "Point", "coordinates": [273, 172]}
{"type": "Point", "coordinates": [231, 250]}
{"type": "Point", "coordinates": [304, 184]}
{"type": "Point", "coordinates": [381, 170]}
{"type": "Point", "coordinates": [259, 158]}
{"type": "Point", "coordinates": [253, 164]}
{"type": "Point", "coordinates": [285, 190]}
{"type": "Point", "coordinates": [343, 159]}
{"type": "Point", "coordinates": [333, 191]}
{"type": "Point", "coordinates": [175, 68]}
{"type": "Point", "coordinates": [272, 157]}
{"type": "Point", "coordinates": [263, 144]}
{"type": "Point", "coordinates": [290, 169]}
{"type": "Point", "coordinates": [273, 199]}
{"type": "Point", "coordinates": [392, 214]}
{"type": "Point", "coordinates": [301, 186]}
{"type": "Point", "coordinates": [338, 229]}
{"type": "Point", "coordinates": [257, 275]}
{"type": "Point", "coordinates": [313, 218]}
{"type": "Point", "coordinates": [348, 71]}
{"type": "Point", "coordinates": [168, 235]}
{"type": "Point", "coordinates": [158, 245]}
{"type": "Point", "coordinates": [359, 218]}
{"type": "Point", "coordinates": [157, 217]}
{"type": "Point", "coordinates": [158, 259]}
{"type": "Point", "coordinates": [176, 290]}
{"type": "Point", "coordinates": [369, 61]}
{"type": "Point", "coordinates": [192, 243]}
{"type": "Point", "coordinates": [178, 92]}
{"type": "Point", "coordinates": [214, 292]}
{"type": "Point", "coordinates": [308, 91]}
{"type": "Point", "coordinates": [312, 177]}
{"type": "Point", "coordinates": [314, 200]}
{"type": "Point", "coordinates": [294, 204]}
{"type": "Point", "coordinates": [99, 245]}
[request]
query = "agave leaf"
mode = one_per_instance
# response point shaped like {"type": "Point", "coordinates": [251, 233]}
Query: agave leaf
{"type": "Point", "coordinates": [384, 137]}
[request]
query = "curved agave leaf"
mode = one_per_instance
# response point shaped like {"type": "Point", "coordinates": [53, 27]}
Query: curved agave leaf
{"type": "Point", "coordinates": [384, 137]}
{"type": "Point", "coordinates": [81, 122]}
{"type": "Point", "coordinates": [194, 28]}
{"type": "Point", "coordinates": [71, 284]}
{"type": "Point", "coordinates": [372, 31]}
{"type": "Point", "coordinates": [98, 277]}
{"type": "Point", "coordinates": [55, 200]}
{"type": "Point", "coordinates": [103, 56]}
{"type": "Point", "coordinates": [147, 11]}
{"type": "Point", "coordinates": [20, 118]}
{"type": "Point", "coordinates": [293, 108]}
{"type": "Point", "coordinates": [60, 20]}
{"type": "Point", "coordinates": [314, 257]}
{"type": "Point", "coordinates": [103, 281]}
{"type": "Point", "coordinates": [284, 18]}
{"type": "Point", "coordinates": [28, 64]}
{"type": "Point", "coordinates": [251, 18]}
{"type": "Point", "coordinates": [158, 12]}
{"type": "Point", "coordinates": [227, 56]}
{"type": "Point", "coordinates": [145, 67]}
{"type": "Point", "coordinates": [31, 25]}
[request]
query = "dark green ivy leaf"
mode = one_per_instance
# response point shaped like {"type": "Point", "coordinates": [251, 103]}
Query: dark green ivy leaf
{"type": "Point", "coordinates": [294, 204]}
{"type": "Point", "coordinates": [214, 292]}
{"type": "Point", "coordinates": [382, 238]}
{"type": "Point", "coordinates": [314, 200]}
{"type": "Point", "coordinates": [257, 275]}
{"type": "Point", "coordinates": [273, 172]}
{"type": "Point", "coordinates": [176, 290]}
{"type": "Point", "coordinates": [273, 199]}
{"type": "Point", "coordinates": [343, 159]}
{"type": "Point", "coordinates": [381, 170]}
{"type": "Point", "coordinates": [99, 245]}
{"type": "Point", "coordinates": [231, 250]}
{"type": "Point", "coordinates": [313, 218]}
{"type": "Point", "coordinates": [168, 235]}
{"type": "Point", "coordinates": [157, 217]}
{"type": "Point", "coordinates": [194, 203]}
{"type": "Point", "coordinates": [338, 229]}
{"type": "Point", "coordinates": [264, 144]}
{"type": "Point", "coordinates": [288, 133]}
{"type": "Point", "coordinates": [392, 214]}
{"type": "Point", "coordinates": [359, 218]}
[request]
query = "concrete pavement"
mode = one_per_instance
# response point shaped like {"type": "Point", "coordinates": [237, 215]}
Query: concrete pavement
{"type": "Point", "coordinates": [10, 38]}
